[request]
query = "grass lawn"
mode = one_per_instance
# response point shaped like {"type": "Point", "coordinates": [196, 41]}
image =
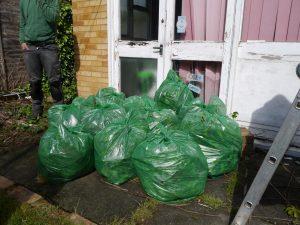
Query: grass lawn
{"type": "Point", "coordinates": [15, 213]}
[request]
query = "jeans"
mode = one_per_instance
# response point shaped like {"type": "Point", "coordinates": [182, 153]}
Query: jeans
{"type": "Point", "coordinates": [39, 59]}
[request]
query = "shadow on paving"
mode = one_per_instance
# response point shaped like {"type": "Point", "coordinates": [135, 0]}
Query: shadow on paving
{"type": "Point", "coordinates": [93, 198]}
{"type": "Point", "coordinates": [283, 190]}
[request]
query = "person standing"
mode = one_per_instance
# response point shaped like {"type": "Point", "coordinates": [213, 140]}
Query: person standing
{"type": "Point", "coordinates": [37, 33]}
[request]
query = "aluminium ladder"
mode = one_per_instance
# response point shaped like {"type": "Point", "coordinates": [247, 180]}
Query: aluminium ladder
{"type": "Point", "coordinates": [270, 163]}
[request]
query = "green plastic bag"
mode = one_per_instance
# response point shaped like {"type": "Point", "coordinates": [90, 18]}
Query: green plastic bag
{"type": "Point", "coordinates": [165, 117]}
{"type": "Point", "coordinates": [171, 166]}
{"type": "Point", "coordinates": [109, 95]}
{"type": "Point", "coordinates": [96, 119]}
{"type": "Point", "coordinates": [68, 115]}
{"type": "Point", "coordinates": [85, 103]}
{"type": "Point", "coordinates": [173, 93]}
{"type": "Point", "coordinates": [65, 155]}
{"type": "Point", "coordinates": [114, 146]}
{"type": "Point", "coordinates": [218, 135]}
{"type": "Point", "coordinates": [71, 115]}
{"type": "Point", "coordinates": [55, 114]}
{"type": "Point", "coordinates": [147, 108]}
{"type": "Point", "coordinates": [139, 102]}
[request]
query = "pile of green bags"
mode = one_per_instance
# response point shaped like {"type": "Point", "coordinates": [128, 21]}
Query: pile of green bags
{"type": "Point", "coordinates": [114, 146]}
{"type": "Point", "coordinates": [218, 135]}
{"type": "Point", "coordinates": [172, 143]}
{"type": "Point", "coordinates": [173, 93]}
{"type": "Point", "coordinates": [170, 165]}
{"type": "Point", "coordinates": [65, 152]}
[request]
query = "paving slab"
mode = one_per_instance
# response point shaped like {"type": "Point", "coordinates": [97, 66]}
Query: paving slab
{"type": "Point", "coordinates": [75, 218]}
{"type": "Point", "coordinates": [23, 195]}
{"type": "Point", "coordinates": [100, 202]}
{"type": "Point", "coordinates": [89, 196]}
{"type": "Point", "coordinates": [5, 183]}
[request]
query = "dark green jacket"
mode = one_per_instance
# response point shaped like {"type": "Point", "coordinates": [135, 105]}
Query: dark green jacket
{"type": "Point", "coordinates": [38, 20]}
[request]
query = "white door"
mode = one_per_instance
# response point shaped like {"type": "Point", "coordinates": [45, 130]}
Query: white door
{"type": "Point", "coordinates": [144, 43]}
{"type": "Point", "coordinates": [136, 31]}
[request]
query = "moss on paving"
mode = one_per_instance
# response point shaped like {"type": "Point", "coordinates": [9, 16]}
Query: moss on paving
{"type": "Point", "coordinates": [231, 185]}
{"type": "Point", "coordinates": [294, 213]}
{"type": "Point", "coordinates": [211, 201]}
{"type": "Point", "coordinates": [143, 213]}
{"type": "Point", "coordinates": [15, 213]}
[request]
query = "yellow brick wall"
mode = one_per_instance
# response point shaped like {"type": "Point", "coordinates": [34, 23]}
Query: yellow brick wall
{"type": "Point", "coordinates": [90, 31]}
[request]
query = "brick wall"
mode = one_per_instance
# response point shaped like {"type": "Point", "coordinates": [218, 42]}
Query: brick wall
{"type": "Point", "coordinates": [90, 31]}
{"type": "Point", "coordinates": [13, 56]}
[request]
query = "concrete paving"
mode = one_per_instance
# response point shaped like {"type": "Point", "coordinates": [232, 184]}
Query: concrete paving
{"type": "Point", "coordinates": [100, 202]}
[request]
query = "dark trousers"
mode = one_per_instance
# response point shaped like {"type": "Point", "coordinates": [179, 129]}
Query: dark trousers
{"type": "Point", "coordinates": [39, 59]}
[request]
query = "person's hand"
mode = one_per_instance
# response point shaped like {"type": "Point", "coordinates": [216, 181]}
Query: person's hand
{"type": "Point", "coordinates": [24, 46]}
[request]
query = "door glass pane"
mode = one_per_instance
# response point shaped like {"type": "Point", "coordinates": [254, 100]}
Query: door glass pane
{"type": "Point", "coordinates": [142, 3]}
{"type": "Point", "coordinates": [200, 20]}
{"type": "Point", "coordinates": [139, 19]}
{"type": "Point", "coordinates": [203, 78]}
{"type": "Point", "coordinates": [124, 17]}
{"type": "Point", "coordinates": [140, 25]}
{"type": "Point", "coordinates": [138, 76]}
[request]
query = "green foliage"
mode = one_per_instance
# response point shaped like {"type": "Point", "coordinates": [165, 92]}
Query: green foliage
{"type": "Point", "coordinates": [294, 212]}
{"type": "Point", "coordinates": [211, 201]}
{"type": "Point", "coordinates": [234, 115]}
{"type": "Point", "coordinates": [15, 213]}
{"type": "Point", "coordinates": [23, 111]}
{"type": "Point", "coordinates": [65, 42]}
{"type": "Point", "coordinates": [142, 214]}
{"type": "Point", "coordinates": [231, 185]}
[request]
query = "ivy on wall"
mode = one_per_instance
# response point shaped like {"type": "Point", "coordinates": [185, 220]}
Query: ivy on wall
{"type": "Point", "coordinates": [65, 42]}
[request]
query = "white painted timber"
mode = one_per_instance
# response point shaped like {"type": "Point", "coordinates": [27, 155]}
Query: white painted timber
{"type": "Point", "coordinates": [263, 92]}
{"type": "Point", "coordinates": [270, 51]}
{"type": "Point", "coordinates": [110, 37]}
{"type": "Point", "coordinates": [113, 9]}
{"type": "Point", "coordinates": [200, 51]}
{"type": "Point", "coordinates": [161, 41]}
{"type": "Point", "coordinates": [232, 37]}
{"type": "Point", "coordinates": [137, 49]}
{"type": "Point", "coordinates": [169, 35]}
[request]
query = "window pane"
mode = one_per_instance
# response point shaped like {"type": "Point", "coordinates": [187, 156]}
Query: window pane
{"type": "Point", "coordinates": [124, 18]}
{"type": "Point", "coordinates": [142, 3]}
{"type": "Point", "coordinates": [200, 20]}
{"type": "Point", "coordinates": [138, 76]}
{"type": "Point", "coordinates": [203, 78]}
{"type": "Point", "coordinates": [139, 19]}
{"type": "Point", "coordinates": [140, 25]}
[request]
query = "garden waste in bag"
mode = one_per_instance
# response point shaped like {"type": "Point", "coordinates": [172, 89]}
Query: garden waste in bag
{"type": "Point", "coordinates": [139, 103]}
{"type": "Point", "coordinates": [147, 108]}
{"type": "Point", "coordinates": [96, 119]}
{"type": "Point", "coordinates": [109, 95]}
{"type": "Point", "coordinates": [218, 135]}
{"type": "Point", "coordinates": [171, 166]}
{"type": "Point", "coordinates": [114, 146]}
{"type": "Point", "coordinates": [65, 154]}
{"type": "Point", "coordinates": [173, 93]}
{"type": "Point", "coordinates": [165, 117]}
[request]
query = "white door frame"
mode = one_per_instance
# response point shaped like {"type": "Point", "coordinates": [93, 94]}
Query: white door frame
{"type": "Point", "coordinates": [122, 48]}
{"type": "Point", "coordinates": [225, 52]}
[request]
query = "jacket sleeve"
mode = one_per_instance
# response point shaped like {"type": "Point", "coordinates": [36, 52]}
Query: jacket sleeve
{"type": "Point", "coordinates": [50, 10]}
{"type": "Point", "coordinates": [22, 24]}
